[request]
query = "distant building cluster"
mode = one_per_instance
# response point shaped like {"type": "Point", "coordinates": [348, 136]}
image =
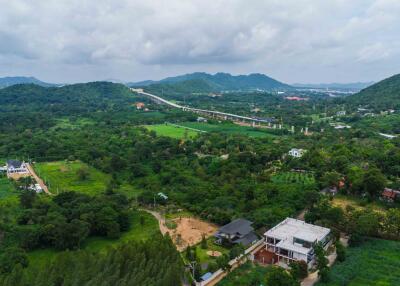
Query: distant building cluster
{"type": "Point", "coordinates": [297, 153]}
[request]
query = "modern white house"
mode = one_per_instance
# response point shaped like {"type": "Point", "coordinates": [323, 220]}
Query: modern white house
{"type": "Point", "coordinates": [297, 153]}
{"type": "Point", "coordinates": [16, 167]}
{"type": "Point", "coordinates": [294, 240]}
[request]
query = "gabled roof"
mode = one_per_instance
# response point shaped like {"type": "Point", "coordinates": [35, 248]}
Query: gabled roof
{"type": "Point", "coordinates": [14, 164]}
{"type": "Point", "coordinates": [240, 225]}
{"type": "Point", "coordinates": [247, 239]}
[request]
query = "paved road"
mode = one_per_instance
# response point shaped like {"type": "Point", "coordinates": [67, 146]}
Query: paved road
{"type": "Point", "coordinates": [197, 110]}
{"type": "Point", "coordinates": [37, 179]}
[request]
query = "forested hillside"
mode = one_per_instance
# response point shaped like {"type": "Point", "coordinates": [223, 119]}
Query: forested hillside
{"type": "Point", "coordinates": [218, 82]}
{"type": "Point", "coordinates": [380, 96]}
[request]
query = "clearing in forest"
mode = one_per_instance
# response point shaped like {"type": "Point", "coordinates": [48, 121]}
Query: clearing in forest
{"type": "Point", "coordinates": [72, 176]}
{"type": "Point", "coordinates": [172, 131]}
{"type": "Point", "coordinates": [190, 231]}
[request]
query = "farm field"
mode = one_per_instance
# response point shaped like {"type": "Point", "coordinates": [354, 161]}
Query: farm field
{"type": "Point", "coordinates": [172, 131]}
{"type": "Point", "coordinates": [229, 128]}
{"type": "Point", "coordinates": [137, 232]}
{"type": "Point", "coordinates": [62, 176]}
{"type": "Point", "coordinates": [293, 178]}
{"type": "Point", "coordinates": [376, 262]}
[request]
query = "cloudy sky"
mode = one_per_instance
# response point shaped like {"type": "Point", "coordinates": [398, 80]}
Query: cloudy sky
{"type": "Point", "coordinates": [291, 40]}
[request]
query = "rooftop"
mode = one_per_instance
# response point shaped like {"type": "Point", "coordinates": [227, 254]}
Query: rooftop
{"type": "Point", "coordinates": [290, 228]}
{"type": "Point", "coordinates": [240, 225]}
{"type": "Point", "coordinates": [14, 164]}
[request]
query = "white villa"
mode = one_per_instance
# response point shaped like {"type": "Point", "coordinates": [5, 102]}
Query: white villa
{"type": "Point", "coordinates": [294, 239]}
{"type": "Point", "coordinates": [297, 153]}
{"type": "Point", "coordinates": [16, 167]}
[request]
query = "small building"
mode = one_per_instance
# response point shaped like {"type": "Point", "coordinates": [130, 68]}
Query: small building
{"type": "Point", "coordinates": [139, 105]}
{"type": "Point", "coordinates": [201, 119]}
{"type": "Point", "coordinates": [294, 240]}
{"type": "Point", "coordinates": [390, 195]}
{"type": "Point", "coordinates": [341, 113]}
{"type": "Point", "coordinates": [163, 196]}
{"type": "Point", "coordinates": [238, 231]}
{"type": "Point", "coordinates": [206, 276]}
{"type": "Point", "coordinates": [16, 167]}
{"type": "Point", "coordinates": [330, 191]}
{"type": "Point", "coordinates": [297, 153]}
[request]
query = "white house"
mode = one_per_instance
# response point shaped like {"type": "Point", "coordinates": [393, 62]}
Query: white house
{"type": "Point", "coordinates": [297, 153]}
{"type": "Point", "coordinates": [16, 167]}
{"type": "Point", "coordinates": [341, 113]}
{"type": "Point", "coordinates": [293, 240]}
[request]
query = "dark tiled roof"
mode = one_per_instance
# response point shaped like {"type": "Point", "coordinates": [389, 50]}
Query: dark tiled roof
{"type": "Point", "coordinates": [14, 163]}
{"type": "Point", "coordinates": [240, 225]}
{"type": "Point", "coordinates": [247, 239]}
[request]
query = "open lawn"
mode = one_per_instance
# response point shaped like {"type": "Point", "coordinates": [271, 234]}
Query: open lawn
{"type": "Point", "coordinates": [211, 246]}
{"type": "Point", "coordinates": [229, 128]}
{"type": "Point", "coordinates": [137, 232]}
{"type": "Point", "coordinates": [293, 178]}
{"type": "Point", "coordinates": [375, 262]}
{"type": "Point", "coordinates": [172, 131]}
{"type": "Point", "coordinates": [62, 176]}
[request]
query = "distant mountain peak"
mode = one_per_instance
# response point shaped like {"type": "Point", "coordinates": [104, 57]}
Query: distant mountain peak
{"type": "Point", "coordinates": [223, 81]}
{"type": "Point", "coordinates": [13, 80]}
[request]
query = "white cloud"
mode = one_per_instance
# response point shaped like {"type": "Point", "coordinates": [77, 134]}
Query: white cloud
{"type": "Point", "coordinates": [294, 40]}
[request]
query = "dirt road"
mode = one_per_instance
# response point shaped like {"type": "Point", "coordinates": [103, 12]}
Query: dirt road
{"type": "Point", "coordinates": [37, 179]}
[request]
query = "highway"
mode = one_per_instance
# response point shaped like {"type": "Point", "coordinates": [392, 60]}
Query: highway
{"type": "Point", "coordinates": [219, 114]}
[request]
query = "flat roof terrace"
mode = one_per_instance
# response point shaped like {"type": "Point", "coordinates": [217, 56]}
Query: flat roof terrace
{"type": "Point", "coordinates": [290, 228]}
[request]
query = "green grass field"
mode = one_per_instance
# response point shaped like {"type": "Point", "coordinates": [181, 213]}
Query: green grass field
{"type": "Point", "coordinates": [62, 176]}
{"type": "Point", "coordinates": [293, 178]}
{"type": "Point", "coordinates": [172, 131]}
{"type": "Point", "coordinates": [137, 232]}
{"type": "Point", "coordinates": [374, 263]}
{"type": "Point", "coordinates": [229, 128]}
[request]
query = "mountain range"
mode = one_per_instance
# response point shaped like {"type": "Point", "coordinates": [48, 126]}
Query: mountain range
{"type": "Point", "coordinates": [9, 81]}
{"type": "Point", "coordinates": [219, 82]}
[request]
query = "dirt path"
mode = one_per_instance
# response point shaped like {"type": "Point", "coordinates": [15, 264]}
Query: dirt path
{"type": "Point", "coordinates": [37, 179]}
{"type": "Point", "coordinates": [161, 220]}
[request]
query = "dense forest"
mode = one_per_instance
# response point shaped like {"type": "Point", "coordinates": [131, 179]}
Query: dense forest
{"type": "Point", "coordinates": [151, 263]}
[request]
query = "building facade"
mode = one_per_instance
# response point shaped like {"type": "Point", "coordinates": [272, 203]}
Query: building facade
{"type": "Point", "coordinates": [294, 240]}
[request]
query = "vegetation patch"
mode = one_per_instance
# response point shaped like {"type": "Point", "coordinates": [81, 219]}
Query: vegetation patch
{"type": "Point", "coordinates": [172, 131]}
{"type": "Point", "coordinates": [229, 128]}
{"type": "Point", "coordinates": [293, 178]}
{"type": "Point", "coordinates": [72, 176]}
{"type": "Point", "coordinates": [375, 262]}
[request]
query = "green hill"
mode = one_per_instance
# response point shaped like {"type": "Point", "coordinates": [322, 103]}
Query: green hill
{"type": "Point", "coordinates": [204, 82]}
{"type": "Point", "coordinates": [69, 99]}
{"type": "Point", "coordinates": [382, 95]}
{"type": "Point", "coordinates": [9, 81]}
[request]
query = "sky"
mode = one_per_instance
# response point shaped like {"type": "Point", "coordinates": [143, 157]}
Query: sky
{"type": "Point", "coordinates": [302, 41]}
